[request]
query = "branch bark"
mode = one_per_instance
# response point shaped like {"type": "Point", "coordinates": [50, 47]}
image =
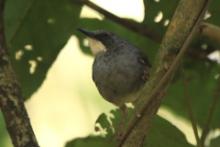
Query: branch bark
{"type": "Point", "coordinates": [183, 26]}
{"type": "Point", "coordinates": [211, 31]}
{"type": "Point", "coordinates": [11, 102]}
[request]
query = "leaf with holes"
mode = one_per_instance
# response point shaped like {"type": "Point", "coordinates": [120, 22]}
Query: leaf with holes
{"type": "Point", "coordinates": [158, 14]}
{"type": "Point", "coordinates": [163, 131]}
{"type": "Point", "coordinates": [36, 30]}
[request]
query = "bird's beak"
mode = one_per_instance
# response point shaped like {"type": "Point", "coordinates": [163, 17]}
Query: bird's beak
{"type": "Point", "coordinates": [87, 33]}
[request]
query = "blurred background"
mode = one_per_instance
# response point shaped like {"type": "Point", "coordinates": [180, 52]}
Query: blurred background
{"type": "Point", "coordinates": [67, 104]}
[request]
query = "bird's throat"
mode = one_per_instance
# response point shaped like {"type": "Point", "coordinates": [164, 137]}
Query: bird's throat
{"type": "Point", "coordinates": [96, 46]}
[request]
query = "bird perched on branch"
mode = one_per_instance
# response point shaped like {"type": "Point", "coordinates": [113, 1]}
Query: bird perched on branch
{"type": "Point", "coordinates": [120, 69]}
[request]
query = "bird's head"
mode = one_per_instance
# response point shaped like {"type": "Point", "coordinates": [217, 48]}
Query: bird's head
{"type": "Point", "coordinates": [100, 40]}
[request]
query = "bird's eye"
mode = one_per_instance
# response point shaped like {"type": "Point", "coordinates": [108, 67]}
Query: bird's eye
{"type": "Point", "coordinates": [106, 34]}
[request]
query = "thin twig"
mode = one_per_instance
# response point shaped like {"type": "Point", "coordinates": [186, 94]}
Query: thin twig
{"type": "Point", "coordinates": [190, 112]}
{"type": "Point", "coordinates": [211, 111]}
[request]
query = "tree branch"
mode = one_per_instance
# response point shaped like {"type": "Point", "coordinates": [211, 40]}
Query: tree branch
{"type": "Point", "coordinates": [11, 102]}
{"type": "Point", "coordinates": [211, 31]}
{"type": "Point", "coordinates": [183, 26]}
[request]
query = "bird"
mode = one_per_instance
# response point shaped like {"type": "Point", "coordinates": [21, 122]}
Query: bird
{"type": "Point", "coordinates": [119, 69]}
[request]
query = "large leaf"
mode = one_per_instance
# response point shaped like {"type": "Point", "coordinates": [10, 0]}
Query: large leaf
{"type": "Point", "coordinates": [36, 30]}
{"type": "Point", "coordinates": [167, 134]}
{"type": "Point", "coordinates": [214, 12]}
{"type": "Point", "coordinates": [158, 14]}
{"type": "Point", "coordinates": [200, 89]}
{"type": "Point", "coordinates": [91, 141]}
{"type": "Point", "coordinates": [215, 142]}
{"type": "Point", "coordinates": [162, 134]}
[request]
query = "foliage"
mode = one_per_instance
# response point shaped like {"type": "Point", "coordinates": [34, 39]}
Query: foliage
{"type": "Point", "coordinates": [215, 142]}
{"type": "Point", "coordinates": [163, 131]}
{"type": "Point", "coordinates": [36, 31]}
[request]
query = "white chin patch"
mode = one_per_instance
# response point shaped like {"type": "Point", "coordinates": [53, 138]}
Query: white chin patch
{"type": "Point", "coordinates": [96, 46]}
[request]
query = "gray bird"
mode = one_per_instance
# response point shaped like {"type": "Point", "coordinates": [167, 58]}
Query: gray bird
{"type": "Point", "coordinates": [120, 69]}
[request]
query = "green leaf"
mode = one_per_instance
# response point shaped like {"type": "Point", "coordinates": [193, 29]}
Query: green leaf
{"type": "Point", "coordinates": [36, 31]}
{"type": "Point", "coordinates": [162, 133]}
{"type": "Point", "coordinates": [165, 8]}
{"type": "Point", "coordinates": [215, 142]}
{"type": "Point", "coordinates": [91, 141]}
{"type": "Point", "coordinates": [200, 89]}
{"type": "Point", "coordinates": [214, 11]}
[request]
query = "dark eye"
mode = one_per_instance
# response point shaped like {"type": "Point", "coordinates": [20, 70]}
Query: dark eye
{"type": "Point", "coordinates": [104, 35]}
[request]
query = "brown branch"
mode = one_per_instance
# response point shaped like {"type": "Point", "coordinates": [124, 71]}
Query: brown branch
{"type": "Point", "coordinates": [190, 113]}
{"type": "Point", "coordinates": [211, 111]}
{"type": "Point", "coordinates": [129, 24]}
{"type": "Point", "coordinates": [11, 102]}
{"type": "Point", "coordinates": [179, 34]}
{"type": "Point", "coordinates": [211, 31]}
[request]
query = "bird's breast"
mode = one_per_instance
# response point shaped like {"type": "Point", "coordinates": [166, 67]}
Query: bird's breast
{"type": "Point", "coordinates": [117, 73]}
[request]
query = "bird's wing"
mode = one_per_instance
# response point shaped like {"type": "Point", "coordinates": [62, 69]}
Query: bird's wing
{"type": "Point", "coordinates": [147, 66]}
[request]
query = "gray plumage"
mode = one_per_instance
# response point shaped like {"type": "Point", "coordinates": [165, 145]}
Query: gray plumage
{"type": "Point", "coordinates": [121, 70]}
